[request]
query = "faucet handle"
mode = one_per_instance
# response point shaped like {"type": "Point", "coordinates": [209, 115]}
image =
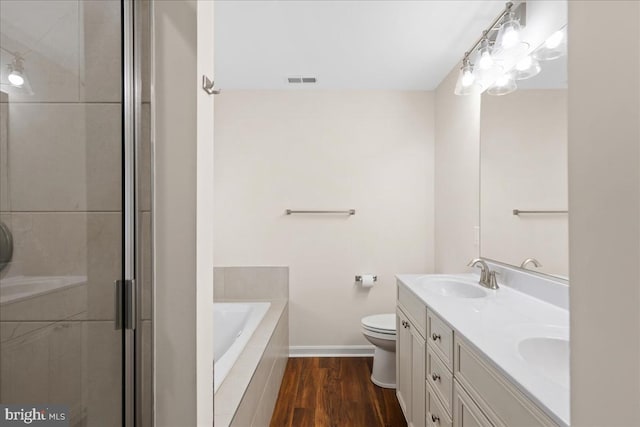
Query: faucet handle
{"type": "Point", "coordinates": [493, 283]}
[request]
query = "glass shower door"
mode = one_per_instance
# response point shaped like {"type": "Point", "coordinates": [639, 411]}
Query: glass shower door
{"type": "Point", "coordinates": [62, 207]}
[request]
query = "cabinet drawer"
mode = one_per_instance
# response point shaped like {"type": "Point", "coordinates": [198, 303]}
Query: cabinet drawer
{"type": "Point", "coordinates": [503, 404]}
{"type": "Point", "coordinates": [413, 307]}
{"type": "Point", "coordinates": [466, 412]}
{"type": "Point", "coordinates": [440, 378]}
{"type": "Point", "coordinates": [440, 338]}
{"type": "Point", "coordinates": [436, 414]}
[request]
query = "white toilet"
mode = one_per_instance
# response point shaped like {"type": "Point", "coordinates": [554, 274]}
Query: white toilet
{"type": "Point", "coordinates": [380, 330]}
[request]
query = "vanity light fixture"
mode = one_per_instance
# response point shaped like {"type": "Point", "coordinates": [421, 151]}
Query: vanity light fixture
{"type": "Point", "coordinates": [16, 72]}
{"type": "Point", "coordinates": [509, 33]}
{"type": "Point", "coordinates": [503, 85]}
{"type": "Point", "coordinates": [490, 56]}
{"type": "Point", "coordinates": [16, 76]}
{"type": "Point", "coordinates": [554, 47]}
{"type": "Point", "coordinates": [484, 60]}
{"type": "Point", "coordinates": [526, 68]}
{"type": "Point", "coordinates": [500, 56]}
{"type": "Point", "coordinates": [466, 83]}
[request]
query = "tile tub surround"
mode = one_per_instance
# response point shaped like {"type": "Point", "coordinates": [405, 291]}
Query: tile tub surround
{"type": "Point", "coordinates": [248, 394]}
{"type": "Point", "coordinates": [262, 283]}
{"type": "Point", "coordinates": [495, 324]}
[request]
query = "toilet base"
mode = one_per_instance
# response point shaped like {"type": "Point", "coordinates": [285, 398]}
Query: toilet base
{"type": "Point", "coordinates": [383, 373]}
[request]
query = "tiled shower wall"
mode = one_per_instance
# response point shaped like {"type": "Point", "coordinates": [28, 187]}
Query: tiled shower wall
{"type": "Point", "coordinates": [250, 283]}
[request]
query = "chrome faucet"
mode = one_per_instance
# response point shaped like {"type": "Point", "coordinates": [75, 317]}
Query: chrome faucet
{"type": "Point", "coordinates": [487, 277]}
{"type": "Point", "coordinates": [533, 261]}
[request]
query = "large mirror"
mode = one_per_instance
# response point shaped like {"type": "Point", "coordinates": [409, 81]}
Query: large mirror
{"type": "Point", "coordinates": [523, 172]}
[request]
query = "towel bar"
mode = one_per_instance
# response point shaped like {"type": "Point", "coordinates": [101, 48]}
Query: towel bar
{"type": "Point", "coordinates": [348, 212]}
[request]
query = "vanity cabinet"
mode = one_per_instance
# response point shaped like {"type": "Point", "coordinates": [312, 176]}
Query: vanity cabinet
{"type": "Point", "coordinates": [439, 374]}
{"type": "Point", "coordinates": [443, 381]}
{"type": "Point", "coordinates": [410, 359]}
{"type": "Point", "coordinates": [466, 412]}
{"type": "Point", "coordinates": [417, 379]}
{"type": "Point", "coordinates": [403, 363]}
{"type": "Point", "coordinates": [502, 403]}
{"type": "Point", "coordinates": [437, 415]}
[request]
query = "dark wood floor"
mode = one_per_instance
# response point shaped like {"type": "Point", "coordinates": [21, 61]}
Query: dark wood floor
{"type": "Point", "coordinates": [334, 391]}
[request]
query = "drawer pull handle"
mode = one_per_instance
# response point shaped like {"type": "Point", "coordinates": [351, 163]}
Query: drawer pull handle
{"type": "Point", "coordinates": [435, 377]}
{"type": "Point", "coordinates": [435, 419]}
{"type": "Point", "coordinates": [435, 337]}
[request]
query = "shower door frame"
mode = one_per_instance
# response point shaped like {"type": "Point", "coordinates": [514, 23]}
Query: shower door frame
{"type": "Point", "coordinates": [131, 158]}
{"type": "Point", "coordinates": [129, 212]}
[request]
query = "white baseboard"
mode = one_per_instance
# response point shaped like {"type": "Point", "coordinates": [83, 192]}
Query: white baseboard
{"type": "Point", "coordinates": [331, 351]}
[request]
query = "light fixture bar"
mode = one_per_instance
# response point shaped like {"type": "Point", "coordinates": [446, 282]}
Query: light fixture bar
{"type": "Point", "coordinates": [518, 8]}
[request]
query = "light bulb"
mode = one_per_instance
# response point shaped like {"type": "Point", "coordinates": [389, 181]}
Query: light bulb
{"type": "Point", "coordinates": [466, 84]}
{"type": "Point", "coordinates": [486, 61]}
{"type": "Point", "coordinates": [16, 72]}
{"type": "Point", "coordinates": [510, 38]}
{"type": "Point", "coordinates": [467, 78]}
{"type": "Point", "coordinates": [509, 32]}
{"type": "Point", "coordinates": [503, 85]}
{"type": "Point", "coordinates": [554, 46]}
{"type": "Point", "coordinates": [554, 40]}
{"type": "Point", "coordinates": [15, 78]}
{"type": "Point", "coordinates": [526, 68]}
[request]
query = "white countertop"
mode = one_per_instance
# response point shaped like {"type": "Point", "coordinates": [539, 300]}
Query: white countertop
{"type": "Point", "coordinates": [495, 325]}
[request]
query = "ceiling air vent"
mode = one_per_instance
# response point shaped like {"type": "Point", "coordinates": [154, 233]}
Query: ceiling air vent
{"type": "Point", "coordinates": [301, 80]}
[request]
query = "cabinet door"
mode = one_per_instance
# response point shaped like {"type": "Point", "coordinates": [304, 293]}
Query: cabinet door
{"type": "Point", "coordinates": [465, 411]}
{"type": "Point", "coordinates": [403, 364]}
{"type": "Point", "coordinates": [418, 384]}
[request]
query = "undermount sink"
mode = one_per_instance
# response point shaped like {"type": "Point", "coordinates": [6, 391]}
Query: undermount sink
{"type": "Point", "coordinates": [453, 288]}
{"type": "Point", "coordinates": [549, 356]}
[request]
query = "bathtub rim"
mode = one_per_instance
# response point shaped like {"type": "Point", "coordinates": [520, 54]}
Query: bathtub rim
{"type": "Point", "coordinates": [230, 356]}
{"type": "Point", "coordinates": [232, 392]}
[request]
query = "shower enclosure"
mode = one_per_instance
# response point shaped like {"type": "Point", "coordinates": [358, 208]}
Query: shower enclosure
{"type": "Point", "coordinates": [76, 209]}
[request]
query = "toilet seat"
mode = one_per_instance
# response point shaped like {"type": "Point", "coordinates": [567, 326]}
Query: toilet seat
{"type": "Point", "coordinates": [380, 323]}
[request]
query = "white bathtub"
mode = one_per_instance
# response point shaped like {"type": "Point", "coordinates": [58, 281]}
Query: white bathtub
{"type": "Point", "coordinates": [233, 325]}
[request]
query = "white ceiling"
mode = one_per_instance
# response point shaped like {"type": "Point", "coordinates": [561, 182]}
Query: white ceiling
{"type": "Point", "coordinates": [345, 44]}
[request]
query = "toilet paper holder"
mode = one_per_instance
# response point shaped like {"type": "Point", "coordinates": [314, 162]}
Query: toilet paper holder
{"type": "Point", "coordinates": [359, 278]}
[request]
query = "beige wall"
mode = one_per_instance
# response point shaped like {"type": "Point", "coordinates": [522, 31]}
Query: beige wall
{"type": "Point", "coordinates": [457, 151]}
{"type": "Point", "coordinates": [604, 221]}
{"type": "Point", "coordinates": [175, 213]}
{"type": "Point", "coordinates": [523, 154]}
{"type": "Point", "coordinates": [371, 151]}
